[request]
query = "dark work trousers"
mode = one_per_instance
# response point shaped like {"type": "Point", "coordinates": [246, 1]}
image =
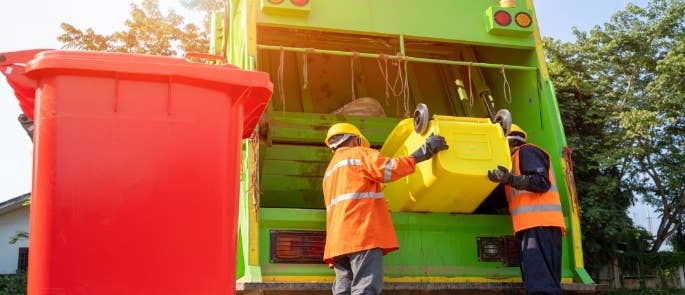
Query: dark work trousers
{"type": "Point", "coordinates": [359, 273]}
{"type": "Point", "coordinates": [541, 259]}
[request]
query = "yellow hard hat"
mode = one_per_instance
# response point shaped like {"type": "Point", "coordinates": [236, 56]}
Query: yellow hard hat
{"type": "Point", "coordinates": [517, 129]}
{"type": "Point", "coordinates": [345, 128]}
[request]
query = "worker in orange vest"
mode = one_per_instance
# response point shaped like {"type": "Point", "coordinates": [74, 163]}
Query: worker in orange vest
{"type": "Point", "coordinates": [535, 211]}
{"type": "Point", "coordinates": [359, 231]}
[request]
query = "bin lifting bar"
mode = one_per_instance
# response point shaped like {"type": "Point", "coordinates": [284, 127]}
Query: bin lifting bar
{"type": "Point", "coordinates": [408, 58]}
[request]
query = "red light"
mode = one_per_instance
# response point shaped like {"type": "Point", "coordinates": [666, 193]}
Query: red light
{"type": "Point", "coordinates": [275, 1]}
{"type": "Point", "coordinates": [299, 2]}
{"type": "Point", "coordinates": [502, 18]}
{"type": "Point", "coordinates": [297, 246]}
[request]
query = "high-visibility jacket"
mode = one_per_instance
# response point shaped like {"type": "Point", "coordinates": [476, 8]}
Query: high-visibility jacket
{"type": "Point", "coordinates": [357, 215]}
{"type": "Point", "coordinates": [531, 209]}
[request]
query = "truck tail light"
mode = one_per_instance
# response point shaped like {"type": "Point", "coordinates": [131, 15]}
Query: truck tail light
{"type": "Point", "coordinates": [490, 249]}
{"type": "Point", "coordinates": [503, 249]}
{"type": "Point", "coordinates": [502, 18]}
{"type": "Point", "coordinates": [523, 19]}
{"type": "Point", "coordinates": [512, 251]}
{"type": "Point", "coordinates": [297, 246]}
{"type": "Point", "coordinates": [299, 2]}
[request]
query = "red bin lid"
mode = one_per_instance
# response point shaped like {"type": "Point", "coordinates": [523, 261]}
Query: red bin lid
{"type": "Point", "coordinates": [53, 62]}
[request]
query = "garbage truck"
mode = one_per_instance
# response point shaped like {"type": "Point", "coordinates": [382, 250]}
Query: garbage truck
{"type": "Point", "coordinates": [398, 70]}
{"type": "Point", "coordinates": [476, 65]}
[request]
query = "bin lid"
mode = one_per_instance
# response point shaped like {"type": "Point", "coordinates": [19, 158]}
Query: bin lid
{"type": "Point", "coordinates": [254, 88]}
{"type": "Point", "coordinates": [12, 66]}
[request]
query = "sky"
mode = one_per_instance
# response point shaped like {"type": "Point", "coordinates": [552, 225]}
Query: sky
{"type": "Point", "coordinates": [30, 24]}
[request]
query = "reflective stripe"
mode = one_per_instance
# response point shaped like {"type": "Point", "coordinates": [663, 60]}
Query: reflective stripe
{"type": "Point", "coordinates": [350, 196]}
{"type": "Point", "coordinates": [552, 188]}
{"type": "Point", "coordinates": [387, 176]}
{"type": "Point", "coordinates": [343, 163]}
{"type": "Point", "coordinates": [535, 208]}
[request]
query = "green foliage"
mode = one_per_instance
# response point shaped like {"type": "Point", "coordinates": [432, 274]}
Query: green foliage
{"type": "Point", "coordinates": [22, 235]}
{"type": "Point", "coordinates": [677, 240]}
{"type": "Point", "coordinates": [13, 284]}
{"type": "Point", "coordinates": [148, 31]}
{"type": "Point", "coordinates": [632, 61]}
{"type": "Point", "coordinates": [603, 202]}
{"type": "Point", "coordinates": [621, 92]}
{"type": "Point", "coordinates": [204, 5]}
{"type": "Point", "coordinates": [637, 260]}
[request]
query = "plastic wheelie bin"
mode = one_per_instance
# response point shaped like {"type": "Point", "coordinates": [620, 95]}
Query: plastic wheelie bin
{"type": "Point", "coordinates": [455, 180]}
{"type": "Point", "coordinates": [136, 172]}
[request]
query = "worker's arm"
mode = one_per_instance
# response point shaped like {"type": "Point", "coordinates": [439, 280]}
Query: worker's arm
{"type": "Point", "coordinates": [379, 168]}
{"type": "Point", "coordinates": [534, 164]}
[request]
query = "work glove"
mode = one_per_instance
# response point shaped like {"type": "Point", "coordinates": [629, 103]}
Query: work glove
{"type": "Point", "coordinates": [434, 144]}
{"type": "Point", "coordinates": [502, 175]}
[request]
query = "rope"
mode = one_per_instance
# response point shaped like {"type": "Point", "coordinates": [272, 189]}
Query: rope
{"type": "Point", "coordinates": [281, 86]}
{"type": "Point", "coordinates": [254, 175]}
{"type": "Point", "coordinates": [471, 100]}
{"type": "Point", "coordinates": [355, 55]}
{"type": "Point", "coordinates": [406, 90]}
{"type": "Point", "coordinates": [384, 74]}
{"type": "Point", "coordinates": [305, 72]}
{"type": "Point", "coordinates": [400, 87]}
{"type": "Point", "coordinates": [506, 88]}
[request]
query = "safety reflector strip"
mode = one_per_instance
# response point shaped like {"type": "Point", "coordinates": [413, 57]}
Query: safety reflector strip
{"type": "Point", "coordinates": [515, 192]}
{"type": "Point", "coordinates": [343, 163]}
{"type": "Point", "coordinates": [535, 208]}
{"type": "Point", "coordinates": [387, 175]}
{"type": "Point", "coordinates": [354, 196]}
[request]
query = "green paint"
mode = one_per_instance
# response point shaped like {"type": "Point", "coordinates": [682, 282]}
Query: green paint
{"type": "Point", "coordinates": [311, 128]}
{"type": "Point", "coordinates": [447, 40]}
{"type": "Point", "coordinates": [436, 244]}
{"type": "Point", "coordinates": [449, 20]}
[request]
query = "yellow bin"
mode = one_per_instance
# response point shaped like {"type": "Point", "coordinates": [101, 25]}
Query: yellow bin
{"type": "Point", "coordinates": [455, 180]}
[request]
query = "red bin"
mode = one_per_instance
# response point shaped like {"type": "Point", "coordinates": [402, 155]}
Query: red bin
{"type": "Point", "coordinates": [136, 172]}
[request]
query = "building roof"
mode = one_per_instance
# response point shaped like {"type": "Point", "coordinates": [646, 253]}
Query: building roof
{"type": "Point", "coordinates": [14, 203]}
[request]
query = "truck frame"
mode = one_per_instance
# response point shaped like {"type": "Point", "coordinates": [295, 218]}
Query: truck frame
{"type": "Point", "coordinates": [460, 57]}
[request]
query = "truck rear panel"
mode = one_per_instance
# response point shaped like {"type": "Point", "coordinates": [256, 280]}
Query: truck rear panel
{"type": "Point", "coordinates": [450, 55]}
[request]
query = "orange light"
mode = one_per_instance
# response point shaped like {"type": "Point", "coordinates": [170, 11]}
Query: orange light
{"type": "Point", "coordinates": [502, 18]}
{"type": "Point", "coordinates": [299, 2]}
{"type": "Point", "coordinates": [275, 1]}
{"type": "Point", "coordinates": [523, 20]}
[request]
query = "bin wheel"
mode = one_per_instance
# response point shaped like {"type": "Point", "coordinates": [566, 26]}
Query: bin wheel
{"type": "Point", "coordinates": [421, 118]}
{"type": "Point", "coordinates": [503, 118]}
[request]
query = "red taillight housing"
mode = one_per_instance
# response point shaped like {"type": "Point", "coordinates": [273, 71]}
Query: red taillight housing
{"type": "Point", "coordinates": [297, 246]}
{"type": "Point", "coordinates": [299, 2]}
{"type": "Point", "coordinates": [502, 18]}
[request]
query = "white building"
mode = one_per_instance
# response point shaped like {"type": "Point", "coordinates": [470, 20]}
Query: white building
{"type": "Point", "coordinates": [14, 218]}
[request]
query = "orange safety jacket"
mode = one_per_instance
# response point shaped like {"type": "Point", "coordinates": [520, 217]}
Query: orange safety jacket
{"type": "Point", "coordinates": [357, 215]}
{"type": "Point", "coordinates": [531, 209]}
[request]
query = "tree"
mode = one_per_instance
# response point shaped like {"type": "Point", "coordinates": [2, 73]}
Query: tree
{"type": "Point", "coordinates": [148, 31]}
{"type": "Point", "coordinates": [625, 80]}
{"type": "Point", "coordinates": [646, 50]}
{"type": "Point", "coordinates": [603, 202]}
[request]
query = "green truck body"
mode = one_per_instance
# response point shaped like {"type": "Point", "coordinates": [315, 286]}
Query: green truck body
{"type": "Point", "coordinates": [455, 56]}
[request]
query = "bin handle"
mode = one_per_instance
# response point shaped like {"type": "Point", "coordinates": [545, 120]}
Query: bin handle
{"type": "Point", "coordinates": [208, 56]}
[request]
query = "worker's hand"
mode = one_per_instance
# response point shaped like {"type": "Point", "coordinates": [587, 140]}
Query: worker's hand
{"type": "Point", "coordinates": [434, 144]}
{"type": "Point", "coordinates": [501, 175]}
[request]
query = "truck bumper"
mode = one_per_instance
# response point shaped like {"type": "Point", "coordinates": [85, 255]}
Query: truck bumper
{"type": "Point", "coordinates": [291, 288]}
